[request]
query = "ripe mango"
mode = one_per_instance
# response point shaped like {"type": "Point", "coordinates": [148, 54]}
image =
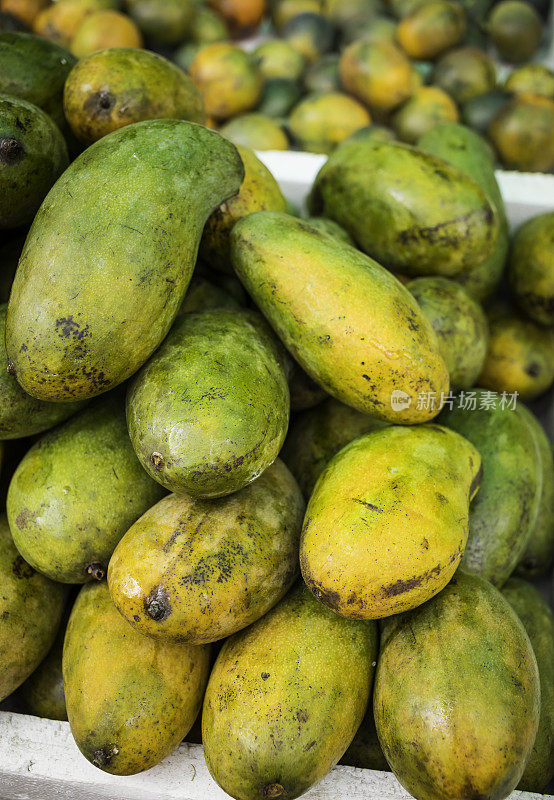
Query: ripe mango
{"type": "Point", "coordinates": [348, 322]}
{"type": "Point", "coordinates": [130, 699]}
{"type": "Point", "coordinates": [285, 698]}
{"type": "Point", "coordinates": [387, 522]}
{"type": "Point", "coordinates": [99, 283]}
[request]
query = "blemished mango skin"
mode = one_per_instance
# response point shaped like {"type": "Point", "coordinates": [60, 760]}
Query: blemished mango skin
{"type": "Point", "coordinates": [200, 570]}
{"type": "Point", "coordinates": [285, 698]}
{"type": "Point", "coordinates": [76, 492]}
{"type": "Point", "coordinates": [411, 211]}
{"type": "Point", "coordinates": [505, 510]}
{"type": "Point", "coordinates": [531, 268]}
{"type": "Point", "coordinates": [210, 410]}
{"type": "Point", "coordinates": [130, 699]}
{"type": "Point", "coordinates": [110, 255]}
{"type": "Point", "coordinates": [347, 321]}
{"type": "Point", "coordinates": [31, 609]}
{"type": "Point", "coordinates": [387, 522]}
{"type": "Point", "coordinates": [538, 620]}
{"type": "Point", "coordinates": [457, 694]}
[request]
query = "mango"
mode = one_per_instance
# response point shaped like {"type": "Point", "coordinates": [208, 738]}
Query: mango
{"type": "Point", "coordinates": [457, 694]}
{"type": "Point", "coordinates": [162, 21]}
{"type": "Point", "coordinates": [278, 97]}
{"type": "Point", "coordinates": [20, 414]}
{"type": "Point", "coordinates": [209, 412]}
{"type": "Point", "coordinates": [347, 321]}
{"type": "Point", "coordinates": [202, 294]}
{"type": "Point", "coordinates": [242, 16]}
{"type": "Point", "coordinates": [31, 609]}
{"type": "Point", "coordinates": [285, 698]}
{"type": "Point", "coordinates": [304, 392]}
{"type": "Point", "coordinates": [98, 287]}
{"type": "Point", "coordinates": [256, 131]}
{"type": "Point", "coordinates": [479, 112]}
{"type": "Point", "coordinates": [121, 85]}
{"type": "Point", "coordinates": [387, 522]}
{"type": "Point", "coordinates": [130, 699]}
{"type": "Point", "coordinates": [411, 211]}
{"type": "Point", "coordinates": [317, 434]}
{"type": "Point", "coordinates": [464, 73]}
{"type": "Point", "coordinates": [105, 29]}
{"type": "Point", "coordinates": [376, 72]}
{"type": "Point", "coordinates": [279, 59]}
{"type": "Point", "coordinates": [538, 556]}
{"type": "Point", "coordinates": [516, 30]}
{"type": "Point", "coordinates": [521, 132]}
{"type": "Point", "coordinates": [538, 620]}
{"type": "Point", "coordinates": [25, 10]}
{"type": "Point", "coordinates": [76, 492]}
{"type": "Point", "coordinates": [323, 75]}
{"type": "Point", "coordinates": [61, 20]}
{"type": "Point", "coordinates": [43, 694]}
{"type": "Point", "coordinates": [283, 10]}
{"type": "Point", "coordinates": [531, 79]}
{"type": "Point", "coordinates": [505, 510]}
{"type": "Point", "coordinates": [208, 26]}
{"type": "Point", "coordinates": [428, 107]}
{"type": "Point", "coordinates": [228, 78]}
{"type": "Point", "coordinates": [531, 268]}
{"type": "Point", "coordinates": [460, 324]}
{"type": "Point", "coordinates": [332, 228]}
{"type": "Point", "coordinates": [431, 28]}
{"type": "Point", "coordinates": [323, 120]}
{"type": "Point", "coordinates": [311, 33]}
{"type": "Point", "coordinates": [199, 570]}
{"type": "Point", "coordinates": [365, 752]}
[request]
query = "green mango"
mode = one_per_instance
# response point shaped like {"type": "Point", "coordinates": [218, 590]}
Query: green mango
{"type": "Point", "coordinates": [173, 584]}
{"type": "Point", "coordinates": [365, 752]}
{"type": "Point", "coordinates": [479, 112]}
{"type": "Point", "coordinates": [316, 435]}
{"type": "Point", "coordinates": [35, 69]}
{"type": "Point", "coordinates": [464, 73]}
{"type": "Point", "coordinates": [323, 75]}
{"type": "Point", "coordinates": [538, 620]}
{"type": "Point", "coordinates": [387, 522]}
{"type": "Point", "coordinates": [332, 228]}
{"type": "Point", "coordinates": [279, 59]}
{"type": "Point", "coordinates": [31, 609]}
{"type": "Point", "coordinates": [457, 694]}
{"type": "Point", "coordinates": [347, 321]}
{"type": "Point", "coordinates": [202, 295]}
{"type": "Point", "coordinates": [278, 97]}
{"type": "Point", "coordinates": [531, 268]}
{"type": "Point", "coordinates": [460, 324]}
{"type": "Point", "coordinates": [285, 699]}
{"type": "Point", "coordinates": [163, 21]}
{"type": "Point", "coordinates": [76, 492]}
{"type": "Point", "coordinates": [130, 699]}
{"type": "Point", "coordinates": [538, 556]}
{"type": "Point", "coordinates": [256, 131]}
{"type": "Point", "coordinates": [110, 255]}
{"type": "Point", "coordinates": [210, 410]}
{"type": "Point", "coordinates": [43, 694]}
{"type": "Point", "coordinates": [33, 154]}
{"type": "Point", "coordinates": [20, 414]}
{"type": "Point", "coordinates": [411, 211]}
{"type": "Point", "coordinates": [467, 151]}
{"type": "Point", "coordinates": [505, 510]}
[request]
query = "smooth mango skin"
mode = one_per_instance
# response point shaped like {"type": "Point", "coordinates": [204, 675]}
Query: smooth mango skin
{"type": "Point", "coordinates": [130, 699]}
{"type": "Point", "coordinates": [121, 85]}
{"type": "Point", "coordinates": [285, 698]}
{"type": "Point", "coordinates": [457, 694]}
{"type": "Point", "coordinates": [20, 414]}
{"type": "Point", "coordinates": [42, 693]}
{"type": "Point", "coordinates": [76, 492]}
{"type": "Point", "coordinates": [259, 191]}
{"type": "Point", "coordinates": [431, 28]}
{"type": "Point", "coordinates": [409, 210]}
{"type": "Point", "coordinates": [538, 556]}
{"type": "Point", "coordinates": [428, 107]}
{"type": "Point", "coordinates": [464, 73]}
{"type": "Point", "coordinates": [387, 522]}
{"type": "Point", "coordinates": [531, 268]}
{"type": "Point", "coordinates": [209, 412]}
{"type": "Point", "coordinates": [347, 321]}
{"type": "Point", "coordinates": [468, 151]}
{"type": "Point", "coordinates": [322, 120]}
{"type": "Point", "coordinates": [332, 228]}
{"type": "Point", "coordinates": [376, 72]}
{"type": "Point", "coordinates": [257, 131]}
{"type": "Point", "coordinates": [531, 79]}
{"type": "Point", "coordinates": [316, 435]}
{"type": "Point", "coordinates": [163, 21]}
{"type": "Point", "coordinates": [31, 609]}
{"type": "Point", "coordinates": [35, 70]}
{"type": "Point", "coordinates": [538, 620]}
{"type": "Point", "coordinates": [110, 255]}
{"type": "Point", "coordinates": [460, 324]}
{"type": "Point", "coordinates": [199, 570]}
{"type": "Point", "coordinates": [33, 154]}
{"type": "Point", "coordinates": [505, 510]}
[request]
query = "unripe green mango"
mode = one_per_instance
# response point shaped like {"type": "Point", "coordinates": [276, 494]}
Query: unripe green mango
{"type": "Point", "coordinates": [42, 693]}
{"type": "Point", "coordinates": [332, 228]}
{"type": "Point", "coordinates": [468, 151]}
{"type": "Point", "coordinates": [538, 556]}
{"type": "Point", "coordinates": [35, 69]}
{"type": "Point", "coordinates": [209, 411]}
{"type": "Point", "coordinates": [31, 609]}
{"type": "Point", "coordinates": [20, 413]}
{"type": "Point", "coordinates": [460, 324]}
{"type": "Point", "coordinates": [316, 435]}
{"type": "Point", "coordinates": [130, 699]}
{"type": "Point", "coordinates": [531, 268]}
{"type": "Point", "coordinates": [76, 492]}
{"type": "Point", "coordinates": [504, 512]}
{"type": "Point", "coordinates": [202, 294]}
{"type": "Point", "coordinates": [457, 694]}
{"type": "Point", "coordinates": [409, 210]}
{"type": "Point", "coordinates": [538, 620]}
{"type": "Point", "coordinates": [285, 698]}
{"type": "Point", "coordinates": [199, 570]}
{"type": "Point", "coordinates": [110, 255]}
{"type": "Point", "coordinates": [33, 154]}
{"type": "Point", "coordinates": [347, 321]}
{"type": "Point", "coordinates": [387, 522]}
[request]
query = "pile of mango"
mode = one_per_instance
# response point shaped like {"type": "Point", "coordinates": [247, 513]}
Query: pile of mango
{"type": "Point", "coordinates": [269, 476]}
